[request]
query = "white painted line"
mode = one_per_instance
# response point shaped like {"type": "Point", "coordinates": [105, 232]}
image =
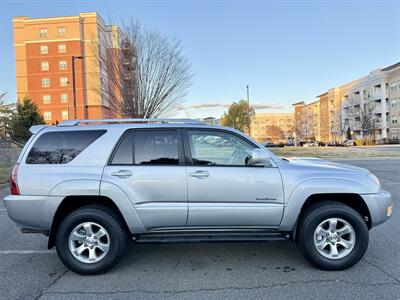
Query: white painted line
{"type": "Point", "coordinates": [27, 252]}
{"type": "Point", "coordinates": [3, 209]}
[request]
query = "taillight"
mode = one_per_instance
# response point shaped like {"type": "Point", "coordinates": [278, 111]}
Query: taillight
{"type": "Point", "coordinates": [14, 181]}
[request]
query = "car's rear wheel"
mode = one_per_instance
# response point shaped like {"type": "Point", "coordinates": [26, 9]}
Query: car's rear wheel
{"type": "Point", "coordinates": [91, 240]}
{"type": "Point", "coordinates": [332, 236]}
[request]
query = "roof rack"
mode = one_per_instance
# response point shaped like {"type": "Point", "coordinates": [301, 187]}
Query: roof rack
{"type": "Point", "coordinates": [114, 121]}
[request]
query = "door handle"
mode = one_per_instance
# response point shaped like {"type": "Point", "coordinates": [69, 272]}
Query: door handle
{"type": "Point", "coordinates": [122, 173]}
{"type": "Point", "coordinates": [199, 174]}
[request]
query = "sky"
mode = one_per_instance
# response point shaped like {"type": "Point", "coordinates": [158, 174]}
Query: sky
{"type": "Point", "coordinates": [286, 51]}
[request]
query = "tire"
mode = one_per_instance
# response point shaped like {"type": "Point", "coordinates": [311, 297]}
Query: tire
{"type": "Point", "coordinates": [93, 226]}
{"type": "Point", "coordinates": [317, 246]}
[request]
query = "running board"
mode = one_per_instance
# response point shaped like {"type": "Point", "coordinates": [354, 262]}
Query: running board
{"type": "Point", "coordinates": [199, 237]}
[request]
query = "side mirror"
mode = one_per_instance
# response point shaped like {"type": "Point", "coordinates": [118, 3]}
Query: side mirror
{"type": "Point", "coordinates": [259, 158]}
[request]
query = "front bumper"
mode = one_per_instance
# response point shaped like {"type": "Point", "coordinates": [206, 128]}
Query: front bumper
{"type": "Point", "coordinates": [380, 206]}
{"type": "Point", "coordinates": [36, 212]}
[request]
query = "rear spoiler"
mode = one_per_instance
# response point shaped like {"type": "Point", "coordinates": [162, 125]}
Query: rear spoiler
{"type": "Point", "coordinates": [36, 128]}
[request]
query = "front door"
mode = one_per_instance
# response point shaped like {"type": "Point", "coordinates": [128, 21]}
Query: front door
{"type": "Point", "coordinates": [223, 189]}
{"type": "Point", "coordinates": [148, 166]}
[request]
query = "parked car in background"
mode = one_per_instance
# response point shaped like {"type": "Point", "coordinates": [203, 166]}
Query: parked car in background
{"type": "Point", "coordinates": [270, 145]}
{"type": "Point", "coordinates": [92, 188]}
{"type": "Point", "coordinates": [349, 143]}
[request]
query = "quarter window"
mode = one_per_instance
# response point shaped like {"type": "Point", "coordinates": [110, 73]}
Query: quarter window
{"type": "Point", "coordinates": [61, 147]}
{"type": "Point", "coordinates": [212, 148]}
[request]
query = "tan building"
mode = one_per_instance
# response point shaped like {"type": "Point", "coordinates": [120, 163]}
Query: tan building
{"type": "Point", "coordinates": [44, 48]}
{"type": "Point", "coordinates": [367, 107]}
{"type": "Point", "coordinates": [272, 127]}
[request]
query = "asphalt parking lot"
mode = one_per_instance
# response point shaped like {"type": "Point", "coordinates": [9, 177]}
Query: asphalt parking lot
{"type": "Point", "coordinates": [272, 270]}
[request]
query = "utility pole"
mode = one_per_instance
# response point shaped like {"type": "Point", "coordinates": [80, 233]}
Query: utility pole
{"type": "Point", "coordinates": [248, 109]}
{"type": "Point", "coordinates": [73, 81]}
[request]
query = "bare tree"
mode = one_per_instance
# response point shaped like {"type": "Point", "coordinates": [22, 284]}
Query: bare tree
{"type": "Point", "coordinates": [146, 76]}
{"type": "Point", "coordinates": [306, 127]}
{"type": "Point", "coordinates": [7, 111]}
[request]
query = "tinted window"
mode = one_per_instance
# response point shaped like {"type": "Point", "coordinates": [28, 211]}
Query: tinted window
{"type": "Point", "coordinates": [212, 148]}
{"type": "Point", "coordinates": [61, 147]}
{"type": "Point", "coordinates": [124, 153]}
{"type": "Point", "coordinates": [156, 147]}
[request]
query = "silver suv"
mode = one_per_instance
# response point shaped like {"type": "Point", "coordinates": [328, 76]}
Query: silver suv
{"type": "Point", "coordinates": [92, 185]}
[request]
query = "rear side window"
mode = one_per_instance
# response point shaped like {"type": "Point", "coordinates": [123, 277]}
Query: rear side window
{"type": "Point", "coordinates": [61, 147]}
{"type": "Point", "coordinates": [148, 147]}
{"type": "Point", "coordinates": [124, 153]}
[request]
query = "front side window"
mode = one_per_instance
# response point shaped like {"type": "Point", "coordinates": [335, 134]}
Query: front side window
{"type": "Point", "coordinates": [61, 147]}
{"type": "Point", "coordinates": [214, 148]}
{"type": "Point", "coordinates": [156, 147]}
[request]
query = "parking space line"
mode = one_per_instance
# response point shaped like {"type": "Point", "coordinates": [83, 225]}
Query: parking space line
{"type": "Point", "coordinates": [19, 252]}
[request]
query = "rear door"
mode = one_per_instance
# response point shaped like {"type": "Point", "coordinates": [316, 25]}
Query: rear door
{"type": "Point", "coordinates": [148, 165]}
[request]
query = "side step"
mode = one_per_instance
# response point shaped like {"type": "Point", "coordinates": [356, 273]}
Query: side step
{"type": "Point", "coordinates": [207, 236]}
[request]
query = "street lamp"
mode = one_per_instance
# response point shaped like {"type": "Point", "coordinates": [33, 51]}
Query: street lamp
{"type": "Point", "coordinates": [248, 111]}
{"type": "Point", "coordinates": [73, 81]}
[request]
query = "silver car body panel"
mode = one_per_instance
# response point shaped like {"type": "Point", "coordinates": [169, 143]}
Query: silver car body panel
{"type": "Point", "coordinates": [157, 197]}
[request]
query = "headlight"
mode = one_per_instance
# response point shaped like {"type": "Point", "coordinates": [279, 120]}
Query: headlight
{"type": "Point", "coordinates": [374, 179]}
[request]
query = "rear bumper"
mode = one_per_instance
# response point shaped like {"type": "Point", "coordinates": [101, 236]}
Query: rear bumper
{"type": "Point", "coordinates": [380, 206]}
{"type": "Point", "coordinates": [34, 212]}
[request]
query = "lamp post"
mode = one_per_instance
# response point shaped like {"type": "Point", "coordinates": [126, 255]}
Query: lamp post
{"type": "Point", "coordinates": [248, 109]}
{"type": "Point", "coordinates": [73, 81]}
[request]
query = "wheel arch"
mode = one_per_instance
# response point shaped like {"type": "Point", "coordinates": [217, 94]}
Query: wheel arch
{"type": "Point", "coordinates": [354, 201]}
{"type": "Point", "coordinates": [71, 203]}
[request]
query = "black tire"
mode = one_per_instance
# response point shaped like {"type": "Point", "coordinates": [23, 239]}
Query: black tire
{"type": "Point", "coordinates": [316, 214]}
{"type": "Point", "coordinates": [103, 216]}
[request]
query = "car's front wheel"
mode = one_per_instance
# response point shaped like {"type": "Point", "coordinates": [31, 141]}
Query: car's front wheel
{"type": "Point", "coordinates": [91, 240]}
{"type": "Point", "coordinates": [332, 235]}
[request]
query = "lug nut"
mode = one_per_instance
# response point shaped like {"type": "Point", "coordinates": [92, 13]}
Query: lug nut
{"type": "Point", "coordinates": [91, 247]}
{"type": "Point", "coordinates": [85, 245]}
{"type": "Point", "coordinates": [95, 237]}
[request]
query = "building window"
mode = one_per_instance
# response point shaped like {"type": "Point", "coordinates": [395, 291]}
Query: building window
{"type": "Point", "coordinates": [45, 82]}
{"type": "Point", "coordinates": [64, 98]}
{"type": "Point", "coordinates": [45, 65]}
{"type": "Point", "coordinates": [63, 81]}
{"type": "Point", "coordinates": [47, 115]}
{"type": "Point", "coordinates": [43, 33]}
{"type": "Point", "coordinates": [64, 115]}
{"type": "Point", "coordinates": [61, 31]}
{"type": "Point", "coordinates": [62, 48]}
{"type": "Point", "coordinates": [62, 65]}
{"type": "Point", "coordinates": [44, 49]}
{"type": "Point", "coordinates": [46, 99]}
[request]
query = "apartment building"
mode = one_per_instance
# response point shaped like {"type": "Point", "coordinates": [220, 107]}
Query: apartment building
{"type": "Point", "coordinates": [272, 127]}
{"type": "Point", "coordinates": [44, 48]}
{"type": "Point", "coordinates": [368, 107]}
